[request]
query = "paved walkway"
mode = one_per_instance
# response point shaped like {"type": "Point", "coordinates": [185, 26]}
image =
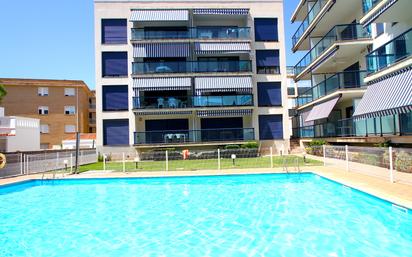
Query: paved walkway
{"type": "Point", "coordinates": [400, 194]}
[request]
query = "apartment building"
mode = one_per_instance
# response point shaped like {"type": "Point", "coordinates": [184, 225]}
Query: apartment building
{"type": "Point", "coordinates": [358, 62]}
{"type": "Point", "coordinates": [190, 73]}
{"type": "Point", "coordinates": [92, 112]}
{"type": "Point", "coordinates": [60, 105]}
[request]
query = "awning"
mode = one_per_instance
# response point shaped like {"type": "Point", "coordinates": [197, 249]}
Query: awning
{"type": "Point", "coordinates": [207, 48]}
{"type": "Point", "coordinates": [158, 50]}
{"type": "Point", "coordinates": [322, 111]}
{"type": "Point", "coordinates": [217, 113]}
{"type": "Point", "coordinates": [223, 84]}
{"type": "Point", "coordinates": [158, 84]}
{"type": "Point", "coordinates": [159, 15]}
{"type": "Point", "coordinates": [221, 11]}
{"type": "Point", "coordinates": [389, 96]}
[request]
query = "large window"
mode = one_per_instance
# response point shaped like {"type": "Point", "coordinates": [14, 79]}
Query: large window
{"type": "Point", "coordinates": [114, 64]}
{"type": "Point", "coordinates": [270, 127]}
{"type": "Point", "coordinates": [269, 94]}
{"type": "Point", "coordinates": [116, 132]}
{"type": "Point", "coordinates": [267, 61]}
{"type": "Point", "coordinates": [114, 31]}
{"type": "Point", "coordinates": [266, 29]}
{"type": "Point", "coordinates": [115, 98]}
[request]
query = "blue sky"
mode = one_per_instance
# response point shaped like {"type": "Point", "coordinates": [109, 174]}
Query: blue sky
{"type": "Point", "coordinates": [54, 39]}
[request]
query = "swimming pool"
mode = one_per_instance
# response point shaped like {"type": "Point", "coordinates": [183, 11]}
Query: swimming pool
{"type": "Point", "coordinates": [247, 215]}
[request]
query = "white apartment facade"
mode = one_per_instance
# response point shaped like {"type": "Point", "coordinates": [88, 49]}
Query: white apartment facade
{"type": "Point", "coordinates": [358, 62]}
{"type": "Point", "coordinates": [190, 73]}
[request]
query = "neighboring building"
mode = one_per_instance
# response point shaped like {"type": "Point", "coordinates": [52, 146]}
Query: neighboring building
{"type": "Point", "coordinates": [190, 73]}
{"type": "Point", "coordinates": [18, 133]}
{"type": "Point", "coordinates": [359, 64]}
{"type": "Point", "coordinates": [53, 102]}
{"type": "Point", "coordinates": [87, 140]}
{"type": "Point", "coordinates": [92, 112]}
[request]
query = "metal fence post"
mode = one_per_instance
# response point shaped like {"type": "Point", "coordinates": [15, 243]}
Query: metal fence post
{"type": "Point", "coordinates": [57, 160]}
{"type": "Point", "coordinates": [218, 159]}
{"type": "Point", "coordinates": [104, 162]}
{"type": "Point", "coordinates": [124, 163]}
{"type": "Point", "coordinates": [391, 164]}
{"type": "Point", "coordinates": [324, 155]}
{"type": "Point", "coordinates": [21, 164]}
{"type": "Point", "coordinates": [271, 157]}
{"type": "Point", "coordinates": [167, 161]}
{"type": "Point", "coordinates": [71, 162]}
{"type": "Point", "coordinates": [347, 157]}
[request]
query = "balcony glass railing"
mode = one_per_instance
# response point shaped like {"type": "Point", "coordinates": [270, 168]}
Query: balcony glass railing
{"type": "Point", "coordinates": [369, 4]}
{"type": "Point", "coordinates": [194, 136]}
{"type": "Point", "coordinates": [143, 102]}
{"type": "Point", "coordinates": [390, 53]}
{"type": "Point", "coordinates": [332, 83]}
{"type": "Point", "coordinates": [313, 12]}
{"type": "Point", "coordinates": [193, 33]}
{"type": "Point", "coordinates": [189, 67]}
{"type": "Point", "coordinates": [379, 126]}
{"type": "Point", "coordinates": [339, 33]}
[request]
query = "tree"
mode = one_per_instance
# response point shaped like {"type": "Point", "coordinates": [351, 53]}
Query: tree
{"type": "Point", "coordinates": [3, 92]}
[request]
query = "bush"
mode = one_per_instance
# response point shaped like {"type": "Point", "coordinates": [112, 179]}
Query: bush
{"type": "Point", "coordinates": [250, 145]}
{"type": "Point", "coordinates": [317, 143]}
{"type": "Point", "coordinates": [232, 147]}
{"type": "Point", "coordinates": [100, 158]}
{"type": "Point", "coordinates": [403, 162]}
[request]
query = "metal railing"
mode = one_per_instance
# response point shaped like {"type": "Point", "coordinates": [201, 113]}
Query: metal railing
{"type": "Point", "coordinates": [194, 136]}
{"type": "Point", "coordinates": [161, 102]}
{"type": "Point", "coordinates": [212, 32]}
{"type": "Point", "coordinates": [332, 83]}
{"type": "Point", "coordinates": [339, 33]}
{"type": "Point", "coordinates": [393, 51]}
{"type": "Point", "coordinates": [191, 67]}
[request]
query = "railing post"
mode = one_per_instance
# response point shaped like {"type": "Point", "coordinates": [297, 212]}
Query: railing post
{"type": "Point", "coordinates": [347, 157]}
{"type": "Point", "coordinates": [324, 155]}
{"type": "Point", "coordinates": [218, 159]}
{"type": "Point", "coordinates": [21, 164]}
{"type": "Point", "coordinates": [57, 160]}
{"type": "Point", "coordinates": [71, 162]}
{"type": "Point", "coordinates": [391, 164]}
{"type": "Point", "coordinates": [167, 160]}
{"type": "Point", "coordinates": [271, 157]}
{"type": "Point", "coordinates": [104, 162]}
{"type": "Point", "coordinates": [124, 163]}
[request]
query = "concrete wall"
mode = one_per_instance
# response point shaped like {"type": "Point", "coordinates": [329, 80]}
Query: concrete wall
{"type": "Point", "coordinates": [27, 136]}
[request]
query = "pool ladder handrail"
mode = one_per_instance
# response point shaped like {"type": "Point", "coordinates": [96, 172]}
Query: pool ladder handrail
{"type": "Point", "coordinates": [296, 164]}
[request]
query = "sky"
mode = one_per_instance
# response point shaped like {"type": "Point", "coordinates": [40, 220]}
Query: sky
{"type": "Point", "coordinates": [54, 39]}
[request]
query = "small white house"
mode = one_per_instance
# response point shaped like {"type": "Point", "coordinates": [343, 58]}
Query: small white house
{"type": "Point", "coordinates": [87, 140]}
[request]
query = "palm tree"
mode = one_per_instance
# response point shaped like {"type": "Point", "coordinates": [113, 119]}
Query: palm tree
{"type": "Point", "coordinates": [3, 92]}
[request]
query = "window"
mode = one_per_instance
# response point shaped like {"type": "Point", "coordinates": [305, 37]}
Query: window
{"type": "Point", "coordinates": [267, 61]}
{"type": "Point", "coordinates": [266, 29]}
{"type": "Point", "coordinates": [69, 92]}
{"type": "Point", "coordinates": [44, 128]}
{"type": "Point", "coordinates": [114, 64]}
{"type": "Point", "coordinates": [114, 31]}
{"type": "Point", "coordinates": [269, 94]}
{"type": "Point", "coordinates": [115, 98]}
{"type": "Point", "coordinates": [69, 128]}
{"type": "Point", "coordinates": [69, 110]}
{"type": "Point", "coordinates": [116, 132]}
{"type": "Point", "coordinates": [43, 91]}
{"type": "Point", "coordinates": [270, 127]}
{"type": "Point", "coordinates": [43, 110]}
{"type": "Point", "coordinates": [380, 29]}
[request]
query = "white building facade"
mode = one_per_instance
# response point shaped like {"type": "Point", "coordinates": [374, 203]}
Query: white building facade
{"type": "Point", "coordinates": [190, 73]}
{"type": "Point", "coordinates": [358, 61]}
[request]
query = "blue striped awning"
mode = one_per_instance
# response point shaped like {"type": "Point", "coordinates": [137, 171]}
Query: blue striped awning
{"type": "Point", "coordinates": [223, 84]}
{"type": "Point", "coordinates": [379, 12]}
{"type": "Point", "coordinates": [322, 111]}
{"type": "Point", "coordinates": [158, 84]}
{"type": "Point", "coordinates": [221, 11]}
{"type": "Point", "coordinates": [389, 96]}
{"type": "Point", "coordinates": [161, 50]}
{"type": "Point", "coordinates": [217, 113]}
{"type": "Point", "coordinates": [159, 15]}
{"type": "Point", "coordinates": [207, 48]}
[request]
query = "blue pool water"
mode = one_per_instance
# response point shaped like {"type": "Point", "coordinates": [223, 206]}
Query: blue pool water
{"type": "Point", "coordinates": [251, 215]}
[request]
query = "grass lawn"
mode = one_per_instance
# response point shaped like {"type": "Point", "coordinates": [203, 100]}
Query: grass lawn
{"type": "Point", "coordinates": [207, 164]}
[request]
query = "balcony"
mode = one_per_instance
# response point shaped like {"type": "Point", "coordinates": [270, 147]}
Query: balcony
{"type": "Point", "coordinates": [312, 14]}
{"type": "Point", "coordinates": [192, 101]}
{"type": "Point", "coordinates": [194, 136]}
{"type": "Point", "coordinates": [339, 34]}
{"type": "Point", "coordinates": [391, 53]}
{"type": "Point", "coordinates": [331, 84]}
{"type": "Point", "coordinates": [201, 33]}
{"type": "Point", "coordinates": [192, 67]}
{"type": "Point", "coordinates": [381, 11]}
{"type": "Point", "coordinates": [369, 4]}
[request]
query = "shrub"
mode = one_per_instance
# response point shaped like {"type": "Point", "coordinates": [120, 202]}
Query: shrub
{"type": "Point", "coordinates": [100, 158]}
{"type": "Point", "coordinates": [250, 145]}
{"type": "Point", "coordinates": [403, 162]}
{"type": "Point", "coordinates": [232, 147]}
{"type": "Point", "coordinates": [317, 143]}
